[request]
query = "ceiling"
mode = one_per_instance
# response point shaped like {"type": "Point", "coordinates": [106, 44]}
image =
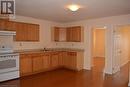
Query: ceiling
{"type": "Point", "coordinates": [55, 10]}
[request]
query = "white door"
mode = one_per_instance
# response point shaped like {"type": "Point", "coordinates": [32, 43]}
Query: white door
{"type": "Point", "coordinates": [116, 51]}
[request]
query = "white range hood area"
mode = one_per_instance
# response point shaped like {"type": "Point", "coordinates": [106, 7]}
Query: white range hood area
{"type": "Point", "coordinates": [7, 33]}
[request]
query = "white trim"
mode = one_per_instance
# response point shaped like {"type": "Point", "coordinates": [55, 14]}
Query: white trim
{"type": "Point", "coordinates": [107, 72]}
{"type": "Point", "coordinates": [124, 63]}
{"type": "Point", "coordinates": [129, 84]}
{"type": "Point", "coordinates": [87, 68]}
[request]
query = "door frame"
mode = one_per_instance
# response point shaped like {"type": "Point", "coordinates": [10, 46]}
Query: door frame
{"type": "Point", "coordinates": [94, 27]}
{"type": "Point", "coordinates": [115, 28]}
{"type": "Point", "coordinates": [108, 46]}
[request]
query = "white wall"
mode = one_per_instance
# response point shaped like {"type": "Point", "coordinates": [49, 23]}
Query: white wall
{"type": "Point", "coordinates": [45, 33]}
{"type": "Point", "coordinates": [110, 22]}
{"type": "Point", "coordinates": [6, 41]}
{"type": "Point", "coordinates": [45, 36]}
{"type": "Point", "coordinates": [125, 44]}
{"type": "Point", "coordinates": [98, 43]}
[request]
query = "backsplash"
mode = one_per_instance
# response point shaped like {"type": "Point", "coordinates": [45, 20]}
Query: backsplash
{"type": "Point", "coordinates": [6, 42]}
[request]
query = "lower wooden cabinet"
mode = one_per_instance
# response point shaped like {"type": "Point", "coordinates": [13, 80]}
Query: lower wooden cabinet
{"type": "Point", "coordinates": [74, 60]}
{"type": "Point", "coordinates": [25, 65]}
{"type": "Point", "coordinates": [35, 63]}
{"type": "Point", "coordinates": [46, 61]}
{"type": "Point", "coordinates": [71, 59]}
{"type": "Point", "coordinates": [54, 59]}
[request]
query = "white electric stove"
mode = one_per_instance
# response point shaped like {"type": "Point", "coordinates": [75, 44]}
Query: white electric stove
{"type": "Point", "coordinates": [9, 66]}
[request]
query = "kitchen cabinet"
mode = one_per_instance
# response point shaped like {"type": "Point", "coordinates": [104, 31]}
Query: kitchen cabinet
{"type": "Point", "coordinates": [10, 26]}
{"type": "Point", "coordinates": [74, 60]}
{"type": "Point", "coordinates": [56, 33]}
{"type": "Point", "coordinates": [74, 34]}
{"type": "Point", "coordinates": [68, 34]}
{"type": "Point", "coordinates": [24, 31]}
{"type": "Point", "coordinates": [62, 57]}
{"type": "Point", "coordinates": [46, 61]}
{"type": "Point", "coordinates": [2, 24]}
{"type": "Point", "coordinates": [21, 32]}
{"type": "Point", "coordinates": [27, 32]}
{"type": "Point", "coordinates": [59, 34]}
{"type": "Point", "coordinates": [31, 63]}
{"type": "Point", "coordinates": [41, 62]}
{"type": "Point", "coordinates": [54, 59]}
{"type": "Point", "coordinates": [71, 60]}
{"type": "Point", "coordinates": [37, 63]}
{"type": "Point", "coordinates": [25, 65]}
{"type": "Point", "coordinates": [32, 32]}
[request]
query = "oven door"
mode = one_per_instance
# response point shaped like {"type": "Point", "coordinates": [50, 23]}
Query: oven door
{"type": "Point", "coordinates": [9, 63]}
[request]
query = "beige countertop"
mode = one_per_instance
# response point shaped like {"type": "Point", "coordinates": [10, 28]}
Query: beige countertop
{"type": "Point", "coordinates": [48, 50]}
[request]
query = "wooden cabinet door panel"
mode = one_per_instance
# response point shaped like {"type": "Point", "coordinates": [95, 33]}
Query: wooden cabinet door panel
{"type": "Point", "coordinates": [56, 33]}
{"type": "Point", "coordinates": [60, 59]}
{"type": "Point", "coordinates": [69, 34]}
{"type": "Point", "coordinates": [74, 34]}
{"type": "Point", "coordinates": [2, 24]}
{"type": "Point", "coordinates": [36, 33]}
{"type": "Point", "coordinates": [24, 31]}
{"type": "Point", "coordinates": [10, 26]}
{"type": "Point", "coordinates": [21, 32]}
{"type": "Point", "coordinates": [46, 61]}
{"type": "Point", "coordinates": [25, 64]}
{"type": "Point", "coordinates": [77, 34]}
{"type": "Point", "coordinates": [54, 60]}
{"type": "Point", "coordinates": [71, 60]}
{"type": "Point", "coordinates": [37, 63]}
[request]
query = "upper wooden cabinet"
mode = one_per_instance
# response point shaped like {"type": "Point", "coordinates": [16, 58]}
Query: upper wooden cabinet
{"type": "Point", "coordinates": [56, 33]}
{"type": "Point", "coordinates": [59, 34]}
{"type": "Point", "coordinates": [27, 32]}
{"type": "Point", "coordinates": [68, 34]}
{"type": "Point", "coordinates": [24, 31]}
{"type": "Point", "coordinates": [74, 34]}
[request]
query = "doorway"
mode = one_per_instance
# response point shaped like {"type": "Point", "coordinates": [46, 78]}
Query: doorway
{"type": "Point", "coordinates": [98, 49]}
{"type": "Point", "coordinates": [121, 47]}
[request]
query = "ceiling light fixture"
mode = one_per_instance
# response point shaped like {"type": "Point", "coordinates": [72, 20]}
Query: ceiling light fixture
{"type": "Point", "coordinates": [73, 7]}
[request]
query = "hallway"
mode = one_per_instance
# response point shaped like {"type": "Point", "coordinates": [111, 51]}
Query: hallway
{"type": "Point", "coordinates": [98, 64]}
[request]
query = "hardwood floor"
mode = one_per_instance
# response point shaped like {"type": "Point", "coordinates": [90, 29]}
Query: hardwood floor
{"type": "Point", "coordinates": [68, 78]}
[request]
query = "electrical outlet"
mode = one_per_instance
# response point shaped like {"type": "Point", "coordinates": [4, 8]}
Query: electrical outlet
{"type": "Point", "coordinates": [20, 44]}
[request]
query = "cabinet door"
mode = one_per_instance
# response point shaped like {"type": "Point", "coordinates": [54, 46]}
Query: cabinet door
{"type": "Point", "coordinates": [56, 33]}
{"type": "Point", "coordinates": [69, 34]}
{"type": "Point", "coordinates": [10, 26]}
{"type": "Point", "coordinates": [36, 33]}
{"type": "Point", "coordinates": [55, 59]}
{"type": "Point", "coordinates": [77, 34]}
{"type": "Point", "coordinates": [25, 64]}
{"type": "Point", "coordinates": [21, 32]}
{"type": "Point", "coordinates": [37, 63]}
{"type": "Point", "coordinates": [66, 59]}
{"type": "Point", "coordinates": [46, 61]}
{"type": "Point", "coordinates": [27, 32]}
{"type": "Point", "coordinates": [74, 34]}
{"type": "Point", "coordinates": [71, 60]}
{"type": "Point", "coordinates": [2, 24]}
{"type": "Point", "coordinates": [62, 56]}
{"type": "Point", "coordinates": [33, 32]}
